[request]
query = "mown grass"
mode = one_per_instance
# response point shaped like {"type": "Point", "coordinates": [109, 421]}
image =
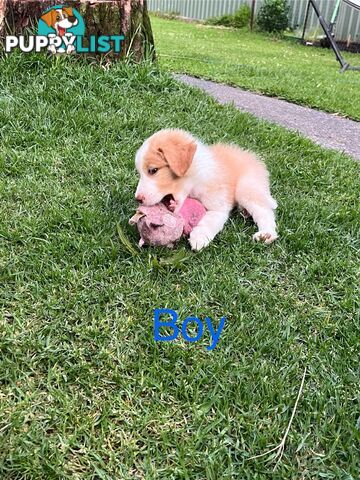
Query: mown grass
{"type": "Point", "coordinates": [258, 62]}
{"type": "Point", "coordinates": [86, 393]}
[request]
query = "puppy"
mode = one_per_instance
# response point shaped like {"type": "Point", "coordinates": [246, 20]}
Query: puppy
{"type": "Point", "coordinates": [60, 19]}
{"type": "Point", "coordinates": [220, 176]}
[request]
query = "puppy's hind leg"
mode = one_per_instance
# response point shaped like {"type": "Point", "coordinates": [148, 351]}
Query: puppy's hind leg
{"type": "Point", "coordinates": [254, 195]}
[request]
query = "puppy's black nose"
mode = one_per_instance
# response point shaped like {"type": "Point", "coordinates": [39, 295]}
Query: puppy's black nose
{"type": "Point", "coordinates": [72, 19]}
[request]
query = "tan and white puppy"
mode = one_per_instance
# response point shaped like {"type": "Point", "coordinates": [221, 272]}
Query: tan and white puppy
{"type": "Point", "coordinates": [220, 176]}
{"type": "Point", "coordinates": [60, 19]}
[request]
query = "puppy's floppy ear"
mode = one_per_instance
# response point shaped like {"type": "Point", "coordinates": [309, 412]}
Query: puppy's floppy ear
{"type": "Point", "coordinates": [179, 156]}
{"type": "Point", "coordinates": [49, 18]}
{"type": "Point", "coordinates": [69, 11]}
{"type": "Point", "coordinates": [135, 218]}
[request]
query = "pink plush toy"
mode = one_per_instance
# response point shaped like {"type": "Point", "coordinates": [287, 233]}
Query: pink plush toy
{"type": "Point", "coordinates": [158, 225]}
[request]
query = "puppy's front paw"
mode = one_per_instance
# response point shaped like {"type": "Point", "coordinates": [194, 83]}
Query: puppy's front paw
{"type": "Point", "coordinates": [265, 236]}
{"type": "Point", "coordinates": [70, 49]}
{"type": "Point", "coordinates": [199, 239]}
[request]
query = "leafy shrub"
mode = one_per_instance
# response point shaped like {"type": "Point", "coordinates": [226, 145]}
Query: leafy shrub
{"type": "Point", "coordinates": [273, 16]}
{"type": "Point", "coordinates": [239, 19]}
{"type": "Point", "coordinates": [242, 16]}
{"type": "Point", "coordinates": [224, 20]}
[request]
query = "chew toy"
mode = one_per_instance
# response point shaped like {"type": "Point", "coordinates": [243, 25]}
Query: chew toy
{"type": "Point", "coordinates": [160, 226]}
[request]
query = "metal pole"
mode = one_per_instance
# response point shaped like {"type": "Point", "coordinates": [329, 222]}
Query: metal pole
{"type": "Point", "coordinates": [306, 20]}
{"type": "Point", "coordinates": [334, 16]}
{"type": "Point", "coordinates": [325, 27]}
{"type": "Point", "coordinates": [252, 17]}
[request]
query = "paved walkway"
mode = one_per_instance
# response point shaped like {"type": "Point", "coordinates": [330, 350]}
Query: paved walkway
{"type": "Point", "coordinates": [326, 129]}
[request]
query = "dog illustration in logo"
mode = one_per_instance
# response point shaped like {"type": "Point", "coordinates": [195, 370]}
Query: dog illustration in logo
{"type": "Point", "coordinates": [61, 19]}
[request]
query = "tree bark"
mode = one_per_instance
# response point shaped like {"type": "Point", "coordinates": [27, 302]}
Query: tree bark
{"type": "Point", "coordinates": [102, 17]}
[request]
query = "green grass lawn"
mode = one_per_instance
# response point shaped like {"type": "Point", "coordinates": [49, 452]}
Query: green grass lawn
{"type": "Point", "coordinates": [86, 393]}
{"type": "Point", "coordinates": [254, 61]}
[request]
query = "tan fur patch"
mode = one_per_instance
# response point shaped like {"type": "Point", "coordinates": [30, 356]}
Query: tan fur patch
{"type": "Point", "coordinates": [233, 164]}
{"type": "Point", "coordinates": [176, 148]}
{"type": "Point", "coordinates": [172, 153]}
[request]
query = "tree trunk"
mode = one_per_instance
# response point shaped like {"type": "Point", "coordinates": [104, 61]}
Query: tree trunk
{"type": "Point", "coordinates": [102, 17]}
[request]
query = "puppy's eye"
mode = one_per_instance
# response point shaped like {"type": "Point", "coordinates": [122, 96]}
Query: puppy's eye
{"type": "Point", "coordinates": [152, 171]}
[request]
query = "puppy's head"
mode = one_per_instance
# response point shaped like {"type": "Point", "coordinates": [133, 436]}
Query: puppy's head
{"type": "Point", "coordinates": [163, 162]}
{"type": "Point", "coordinates": [60, 19]}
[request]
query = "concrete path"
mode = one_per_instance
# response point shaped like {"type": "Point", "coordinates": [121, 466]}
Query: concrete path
{"type": "Point", "coordinates": [326, 129]}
